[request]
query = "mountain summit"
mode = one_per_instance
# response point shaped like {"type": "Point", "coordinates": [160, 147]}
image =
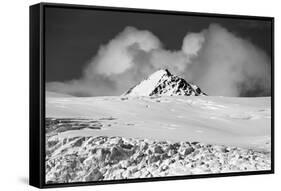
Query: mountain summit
{"type": "Point", "coordinates": [163, 83]}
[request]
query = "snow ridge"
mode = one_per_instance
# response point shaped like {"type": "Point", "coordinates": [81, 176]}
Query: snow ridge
{"type": "Point", "coordinates": [163, 83]}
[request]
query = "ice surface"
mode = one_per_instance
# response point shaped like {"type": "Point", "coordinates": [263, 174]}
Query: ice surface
{"type": "Point", "coordinates": [243, 122]}
{"type": "Point", "coordinates": [101, 158]}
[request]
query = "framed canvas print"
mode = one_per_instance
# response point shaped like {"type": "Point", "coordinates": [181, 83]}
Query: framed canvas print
{"type": "Point", "coordinates": [123, 95]}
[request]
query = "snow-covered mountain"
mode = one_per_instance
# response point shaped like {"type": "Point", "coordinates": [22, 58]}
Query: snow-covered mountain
{"type": "Point", "coordinates": [163, 83]}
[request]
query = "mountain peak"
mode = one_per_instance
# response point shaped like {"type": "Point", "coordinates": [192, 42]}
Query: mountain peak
{"type": "Point", "coordinates": [163, 83]}
{"type": "Point", "coordinates": [167, 71]}
{"type": "Point", "coordinates": [159, 74]}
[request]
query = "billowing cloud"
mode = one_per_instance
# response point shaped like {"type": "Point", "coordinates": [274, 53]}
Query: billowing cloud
{"type": "Point", "coordinates": [230, 66]}
{"type": "Point", "coordinates": [192, 43]}
{"type": "Point", "coordinates": [216, 60]}
{"type": "Point", "coordinates": [116, 57]}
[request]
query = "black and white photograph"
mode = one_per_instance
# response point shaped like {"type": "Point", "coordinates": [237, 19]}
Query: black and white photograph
{"type": "Point", "coordinates": [141, 95]}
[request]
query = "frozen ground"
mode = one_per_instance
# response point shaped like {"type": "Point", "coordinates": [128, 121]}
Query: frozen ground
{"type": "Point", "coordinates": [243, 122]}
{"type": "Point", "coordinates": [105, 138]}
{"type": "Point", "coordinates": [90, 158]}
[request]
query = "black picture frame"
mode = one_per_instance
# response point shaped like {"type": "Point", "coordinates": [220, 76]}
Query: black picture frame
{"type": "Point", "coordinates": [37, 94]}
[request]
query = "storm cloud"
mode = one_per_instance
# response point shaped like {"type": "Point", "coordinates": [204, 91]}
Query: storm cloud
{"type": "Point", "coordinates": [218, 61]}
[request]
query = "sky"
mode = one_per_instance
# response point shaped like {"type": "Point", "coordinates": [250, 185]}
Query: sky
{"type": "Point", "coordinates": [104, 53]}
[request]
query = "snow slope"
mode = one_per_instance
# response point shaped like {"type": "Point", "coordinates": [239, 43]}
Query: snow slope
{"type": "Point", "coordinates": [55, 94]}
{"type": "Point", "coordinates": [243, 122]}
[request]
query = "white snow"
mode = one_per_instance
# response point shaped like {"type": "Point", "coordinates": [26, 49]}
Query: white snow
{"type": "Point", "coordinates": [55, 94]}
{"type": "Point", "coordinates": [148, 85]}
{"type": "Point", "coordinates": [243, 122]}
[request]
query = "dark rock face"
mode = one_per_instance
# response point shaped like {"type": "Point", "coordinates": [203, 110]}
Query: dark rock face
{"type": "Point", "coordinates": [175, 85]}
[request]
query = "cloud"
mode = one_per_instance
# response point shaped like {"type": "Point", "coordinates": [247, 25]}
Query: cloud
{"type": "Point", "coordinates": [216, 60]}
{"type": "Point", "coordinates": [230, 66]}
{"type": "Point", "coordinates": [116, 57]}
{"type": "Point", "coordinates": [192, 43]}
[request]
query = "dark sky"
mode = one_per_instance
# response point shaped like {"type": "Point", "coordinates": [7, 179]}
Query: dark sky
{"type": "Point", "coordinates": [73, 36]}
